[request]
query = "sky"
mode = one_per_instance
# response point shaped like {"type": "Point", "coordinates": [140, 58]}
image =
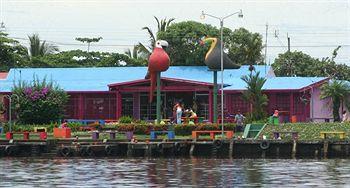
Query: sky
{"type": "Point", "coordinates": [315, 27]}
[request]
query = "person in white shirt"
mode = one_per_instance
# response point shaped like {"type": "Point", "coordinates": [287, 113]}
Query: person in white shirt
{"type": "Point", "coordinates": [344, 117]}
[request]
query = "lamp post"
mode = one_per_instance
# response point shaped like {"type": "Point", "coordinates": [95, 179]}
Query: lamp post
{"type": "Point", "coordinates": [10, 108]}
{"type": "Point", "coordinates": [221, 19]}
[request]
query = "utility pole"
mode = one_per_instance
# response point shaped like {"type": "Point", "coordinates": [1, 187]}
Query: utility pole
{"type": "Point", "coordinates": [288, 38]}
{"type": "Point", "coordinates": [265, 59]}
{"type": "Point", "coordinates": [289, 62]}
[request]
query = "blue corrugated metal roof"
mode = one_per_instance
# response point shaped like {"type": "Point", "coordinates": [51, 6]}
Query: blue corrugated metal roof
{"type": "Point", "coordinates": [97, 79]}
{"type": "Point", "coordinates": [278, 83]}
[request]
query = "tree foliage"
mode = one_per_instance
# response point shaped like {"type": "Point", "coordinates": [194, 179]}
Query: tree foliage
{"type": "Point", "coordinates": [79, 58]}
{"type": "Point", "coordinates": [12, 54]}
{"type": "Point", "coordinates": [298, 63]}
{"type": "Point", "coordinates": [338, 92]}
{"type": "Point", "coordinates": [183, 38]}
{"type": "Point", "coordinates": [137, 54]}
{"type": "Point", "coordinates": [243, 46]}
{"type": "Point", "coordinates": [88, 40]}
{"type": "Point", "coordinates": [254, 95]}
{"type": "Point", "coordinates": [39, 102]}
{"type": "Point", "coordinates": [40, 48]}
{"type": "Point", "coordinates": [162, 26]}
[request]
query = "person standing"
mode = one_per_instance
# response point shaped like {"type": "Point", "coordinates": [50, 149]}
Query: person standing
{"type": "Point", "coordinates": [344, 117]}
{"type": "Point", "coordinates": [178, 113]}
{"type": "Point", "coordinates": [239, 119]}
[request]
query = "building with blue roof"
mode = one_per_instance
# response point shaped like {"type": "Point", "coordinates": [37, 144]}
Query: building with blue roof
{"type": "Point", "coordinates": [112, 92]}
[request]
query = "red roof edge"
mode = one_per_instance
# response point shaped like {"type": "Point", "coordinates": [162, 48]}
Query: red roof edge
{"type": "Point", "coordinates": [316, 84]}
{"type": "Point", "coordinates": [163, 78]}
{"type": "Point", "coordinates": [3, 75]}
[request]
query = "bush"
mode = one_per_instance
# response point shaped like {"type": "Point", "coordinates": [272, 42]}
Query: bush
{"type": "Point", "coordinates": [125, 119]}
{"type": "Point", "coordinates": [29, 128]}
{"type": "Point", "coordinates": [307, 131]}
{"type": "Point", "coordinates": [183, 130]}
{"type": "Point", "coordinates": [39, 102]}
{"type": "Point", "coordinates": [179, 129]}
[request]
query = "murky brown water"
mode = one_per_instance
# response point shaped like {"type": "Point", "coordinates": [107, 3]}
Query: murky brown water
{"type": "Point", "coordinates": [173, 172]}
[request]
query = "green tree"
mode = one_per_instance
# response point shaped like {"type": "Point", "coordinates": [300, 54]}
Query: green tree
{"type": "Point", "coordinates": [137, 55]}
{"type": "Point", "coordinates": [162, 26]}
{"type": "Point", "coordinates": [79, 58]}
{"type": "Point", "coordinates": [254, 95]}
{"type": "Point", "coordinates": [338, 92]}
{"type": "Point", "coordinates": [298, 63]}
{"type": "Point", "coordinates": [40, 102]}
{"type": "Point", "coordinates": [39, 48]}
{"type": "Point", "coordinates": [12, 54]}
{"type": "Point", "coordinates": [245, 47]}
{"type": "Point", "coordinates": [184, 41]}
{"type": "Point", "coordinates": [88, 40]}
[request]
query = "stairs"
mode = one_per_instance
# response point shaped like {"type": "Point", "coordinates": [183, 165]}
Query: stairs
{"type": "Point", "coordinates": [252, 131]}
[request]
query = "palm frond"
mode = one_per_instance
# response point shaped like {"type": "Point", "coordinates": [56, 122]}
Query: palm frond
{"type": "Point", "coordinates": [158, 23]}
{"type": "Point", "coordinates": [152, 37]}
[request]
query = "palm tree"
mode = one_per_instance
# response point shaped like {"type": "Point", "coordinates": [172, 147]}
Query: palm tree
{"type": "Point", "coordinates": [162, 26]}
{"type": "Point", "coordinates": [338, 92]}
{"type": "Point", "coordinates": [136, 53]}
{"type": "Point", "coordinates": [40, 48]}
{"type": "Point", "coordinates": [139, 58]}
{"type": "Point", "coordinates": [254, 96]}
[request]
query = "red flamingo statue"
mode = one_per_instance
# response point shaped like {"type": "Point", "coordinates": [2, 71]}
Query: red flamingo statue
{"type": "Point", "coordinates": [159, 61]}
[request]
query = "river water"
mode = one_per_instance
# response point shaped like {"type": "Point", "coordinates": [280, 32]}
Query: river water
{"type": "Point", "coordinates": [179, 172]}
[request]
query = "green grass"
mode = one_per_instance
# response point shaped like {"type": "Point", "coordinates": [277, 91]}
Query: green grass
{"type": "Point", "coordinates": [307, 131]}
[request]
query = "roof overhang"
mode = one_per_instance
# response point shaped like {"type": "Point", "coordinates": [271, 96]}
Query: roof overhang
{"type": "Point", "coordinates": [143, 81]}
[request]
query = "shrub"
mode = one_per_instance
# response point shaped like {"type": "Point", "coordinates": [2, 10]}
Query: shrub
{"type": "Point", "coordinates": [307, 131]}
{"type": "Point", "coordinates": [125, 119]}
{"type": "Point", "coordinates": [39, 102]}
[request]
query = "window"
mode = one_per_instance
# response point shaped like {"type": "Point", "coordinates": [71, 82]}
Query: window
{"type": "Point", "coordinates": [127, 105]}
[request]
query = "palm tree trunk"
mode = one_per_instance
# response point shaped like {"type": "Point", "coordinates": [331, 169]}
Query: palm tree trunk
{"type": "Point", "coordinates": [336, 106]}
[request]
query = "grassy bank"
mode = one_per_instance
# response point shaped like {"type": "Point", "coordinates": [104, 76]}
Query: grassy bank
{"type": "Point", "coordinates": [307, 131]}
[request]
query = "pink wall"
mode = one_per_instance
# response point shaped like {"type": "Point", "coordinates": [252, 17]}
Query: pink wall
{"type": "Point", "coordinates": [322, 109]}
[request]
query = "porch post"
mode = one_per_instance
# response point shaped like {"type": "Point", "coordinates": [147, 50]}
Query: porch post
{"type": "Point", "coordinates": [136, 106]}
{"type": "Point", "coordinates": [119, 104]}
{"type": "Point", "coordinates": [291, 106]}
{"type": "Point", "coordinates": [158, 98]}
{"type": "Point", "coordinates": [215, 97]}
{"type": "Point", "coordinates": [81, 106]}
{"type": "Point", "coordinates": [210, 105]}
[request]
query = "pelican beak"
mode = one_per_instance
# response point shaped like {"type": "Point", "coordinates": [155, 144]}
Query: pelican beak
{"type": "Point", "coordinates": [164, 43]}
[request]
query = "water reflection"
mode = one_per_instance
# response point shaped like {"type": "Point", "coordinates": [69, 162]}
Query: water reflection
{"type": "Point", "coordinates": [173, 172]}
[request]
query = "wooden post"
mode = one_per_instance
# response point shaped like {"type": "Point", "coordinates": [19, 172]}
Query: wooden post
{"type": "Point", "coordinates": [81, 106]}
{"type": "Point", "coordinates": [230, 152]}
{"type": "Point", "coordinates": [291, 106]}
{"type": "Point", "coordinates": [325, 149]}
{"type": "Point", "coordinates": [129, 152]}
{"type": "Point", "coordinates": [210, 106]}
{"type": "Point", "coordinates": [119, 104]}
{"type": "Point", "coordinates": [294, 150]}
{"type": "Point", "coordinates": [192, 149]}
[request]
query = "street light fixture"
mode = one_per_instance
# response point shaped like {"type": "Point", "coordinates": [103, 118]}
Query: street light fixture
{"type": "Point", "coordinates": [221, 19]}
{"type": "Point", "coordinates": [10, 97]}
